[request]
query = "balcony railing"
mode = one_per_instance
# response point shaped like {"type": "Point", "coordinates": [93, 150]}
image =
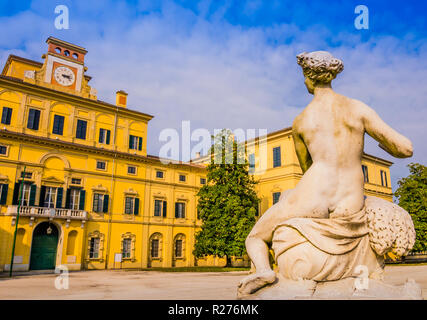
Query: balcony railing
{"type": "Point", "coordinates": [68, 214]}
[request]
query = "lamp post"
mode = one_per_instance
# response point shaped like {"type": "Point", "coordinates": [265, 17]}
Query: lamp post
{"type": "Point", "coordinates": [16, 222]}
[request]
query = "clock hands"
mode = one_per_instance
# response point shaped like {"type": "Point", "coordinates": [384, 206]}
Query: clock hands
{"type": "Point", "coordinates": [66, 76]}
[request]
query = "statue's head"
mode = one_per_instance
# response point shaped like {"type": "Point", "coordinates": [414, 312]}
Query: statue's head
{"type": "Point", "coordinates": [319, 68]}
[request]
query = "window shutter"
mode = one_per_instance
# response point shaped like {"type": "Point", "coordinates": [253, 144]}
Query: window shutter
{"type": "Point", "coordinates": [130, 142]}
{"type": "Point", "coordinates": [165, 206]}
{"type": "Point", "coordinates": [136, 208]}
{"type": "Point", "coordinates": [108, 137]}
{"type": "Point", "coordinates": [100, 135]}
{"type": "Point", "coordinates": [33, 190]}
{"type": "Point", "coordinates": [82, 200]}
{"type": "Point", "coordinates": [59, 194]}
{"type": "Point", "coordinates": [42, 195]}
{"type": "Point", "coordinates": [30, 122]}
{"type": "Point", "coordinates": [183, 211]}
{"type": "Point", "coordinates": [67, 199]}
{"type": "Point", "coordinates": [15, 193]}
{"type": "Point", "coordinates": [36, 120]}
{"type": "Point", "coordinates": [140, 144]}
{"type": "Point", "coordinates": [3, 196]}
{"type": "Point", "coordinates": [176, 209]}
{"type": "Point", "coordinates": [105, 209]}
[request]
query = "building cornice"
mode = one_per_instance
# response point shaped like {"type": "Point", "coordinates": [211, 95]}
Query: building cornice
{"type": "Point", "coordinates": [64, 145]}
{"type": "Point", "coordinates": [18, 84]}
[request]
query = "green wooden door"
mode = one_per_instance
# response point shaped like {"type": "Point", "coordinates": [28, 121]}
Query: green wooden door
{"type": "Point", "coordinates": [43, 249]}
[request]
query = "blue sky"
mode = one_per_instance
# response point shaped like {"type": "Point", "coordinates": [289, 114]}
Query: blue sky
{"type": "Point", "coordinates": [232, 63]}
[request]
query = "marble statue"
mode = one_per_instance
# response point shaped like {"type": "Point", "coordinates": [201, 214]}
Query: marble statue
{"type": "Point", "coordinates": [324, 233]}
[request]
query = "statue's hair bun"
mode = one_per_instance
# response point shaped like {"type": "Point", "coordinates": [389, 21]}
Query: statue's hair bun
{"type": "Point", "coordinates": [320, 66]}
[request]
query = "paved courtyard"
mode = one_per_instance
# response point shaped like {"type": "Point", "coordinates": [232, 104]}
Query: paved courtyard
{"type": "Point", "coordinates": [155, 285]}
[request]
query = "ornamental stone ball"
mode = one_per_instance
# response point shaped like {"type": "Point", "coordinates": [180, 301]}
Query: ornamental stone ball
{"type": "Point", "coordinates": [325, 231]}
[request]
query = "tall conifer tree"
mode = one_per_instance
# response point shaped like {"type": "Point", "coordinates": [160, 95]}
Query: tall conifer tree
{"type": "Point", "coordinates": [228, 203]}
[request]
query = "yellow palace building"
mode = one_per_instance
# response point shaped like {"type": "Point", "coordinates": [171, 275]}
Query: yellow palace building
{"type": "Point", "coordinates": [88, 195]}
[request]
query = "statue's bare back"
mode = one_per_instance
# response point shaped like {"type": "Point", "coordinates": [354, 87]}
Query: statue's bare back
{"type": "Point", "coordinates": [329, 140]}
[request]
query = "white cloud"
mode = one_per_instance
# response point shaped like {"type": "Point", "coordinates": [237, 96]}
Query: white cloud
{"type": "Point", "coordinates": [179, 66]}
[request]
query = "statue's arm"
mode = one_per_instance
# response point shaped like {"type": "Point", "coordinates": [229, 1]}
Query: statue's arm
{"type": "Point", "coordinates": [303, 155]}
{"type": "Point", "coordinates": [389, 139]}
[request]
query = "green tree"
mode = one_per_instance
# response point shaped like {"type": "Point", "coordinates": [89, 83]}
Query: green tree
{"type": "Point", "coordinates": [412, 196]}
{"type": "Point", "coordinates": [228, 202]}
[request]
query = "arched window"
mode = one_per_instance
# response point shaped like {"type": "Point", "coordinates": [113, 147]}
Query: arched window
{"type": "Point", "coordinates": [156, 246]}
{"type": "Point", "coordinates": [179, 246]}
{"type": "Point", "coordinates": [71, 243]}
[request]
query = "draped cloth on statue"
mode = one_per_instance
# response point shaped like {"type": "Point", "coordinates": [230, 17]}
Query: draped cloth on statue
{"type": "Point", "coordinates": [339, 243]}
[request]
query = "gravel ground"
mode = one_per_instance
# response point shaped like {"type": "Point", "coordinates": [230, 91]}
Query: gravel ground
{"type": "Point", "coordinates": [120, 284]}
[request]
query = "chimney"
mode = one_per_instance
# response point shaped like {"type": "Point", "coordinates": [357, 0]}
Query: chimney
{"type": "Point", "coordinates": [121, 98]}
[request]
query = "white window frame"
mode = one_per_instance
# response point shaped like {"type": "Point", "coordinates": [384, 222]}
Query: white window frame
{"type": "Point", "coordinates": [132, 204]}
{"type": "Point", "coordinates": [50, 197]}
{"type": "Point", "coordinates": [106, 164]}
{"type": "Point", "coordinates": [75, 199]}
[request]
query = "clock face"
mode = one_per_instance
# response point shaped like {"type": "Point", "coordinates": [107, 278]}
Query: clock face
{"type": "Point", "coordinates": [64, 76]}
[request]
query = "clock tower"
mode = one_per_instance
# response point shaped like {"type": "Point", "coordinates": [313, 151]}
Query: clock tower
{"type": "Point", "coordinates": [64, 65]}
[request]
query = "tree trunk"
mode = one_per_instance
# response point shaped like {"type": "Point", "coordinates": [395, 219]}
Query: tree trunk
{"type": "Point", "coordinates": [228, 265]}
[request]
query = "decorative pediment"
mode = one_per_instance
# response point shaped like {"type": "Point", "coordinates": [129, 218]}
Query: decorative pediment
{"type": "Point", "coordinates": [100, 188]}
{"type": "Point", "coordinates": [159, 194]}
{"type": "Point", "coordinates": [52, 180]}
{"type": "Point", "coordinates": [182, 197]}
{"type": "Point", "coordinates": [131, 192]}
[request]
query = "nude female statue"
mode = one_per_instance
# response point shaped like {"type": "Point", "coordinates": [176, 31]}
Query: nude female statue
{"type": "Point", "coordinates": [329, 140]}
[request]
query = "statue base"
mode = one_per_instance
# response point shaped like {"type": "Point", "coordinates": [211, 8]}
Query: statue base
{"type": "Point", "coordinates": [344, 289]}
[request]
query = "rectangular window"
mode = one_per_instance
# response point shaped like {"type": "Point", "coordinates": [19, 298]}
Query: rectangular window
{"type": "Point", "coordinates": [135, 142]}
{"type": "Point", "coordinates": [3, 150]}
{"type": "Point", "coordinates": [126, 249]}
{"type": "Point", "coordinates": [81, 129]}
{"type": "Point", "coordinates": [277, 161]}
{"type": "Point", "coordinates": [129, 205]}
{"type": "Point", "coordinates": [384, 182]}
{"type": "Point", "coordinates": [251, 162]}
{"type": "Point", "coordinates": [33, 119]}
{"type": "Point", "coordinates": [365, 173]}
{"type": "Point", "coordinates": [104, 136]}
{"type": "Point", "coordinates": [178, 248]}
{"type": "Point", "coordinates": [202, 180]}
{"type": "Point", "coordinates": [50, 197]}
{"type": "Point", "coordinates": [101, 165]}
{"type": "Point", "coordinates": [179, 210]}
{"type": "Point", "coordinates": [159, 174]}
{"type": "Point", "coordinates": [276, 197]}
{"type": "Point", "coordinates": [74, 199]}
{"type": "Point", "coordinates": [76, 181]}
{"type": "Point", "coordinates": [94, 248]}
{"type": "Point", "coordinates": [58, 125]}
{"type": "Point", "coordinates": [157, 208]}
{"type": "Point", "coordinates": [131, 170]}
{"type": "Point", "coordinates": [182, 177]}
{"type": "Point", "coordinates": [26, 175]}
{"type": "Point", "coordinates": [98, 202]}
{"type": "Point", "coordinates": [155, 248]}
{"type": "Point", "coordinates": [6, 115]}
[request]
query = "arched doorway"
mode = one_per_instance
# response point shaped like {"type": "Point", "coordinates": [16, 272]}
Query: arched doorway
{"type": "Point", "coordinates": [44, 245]}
